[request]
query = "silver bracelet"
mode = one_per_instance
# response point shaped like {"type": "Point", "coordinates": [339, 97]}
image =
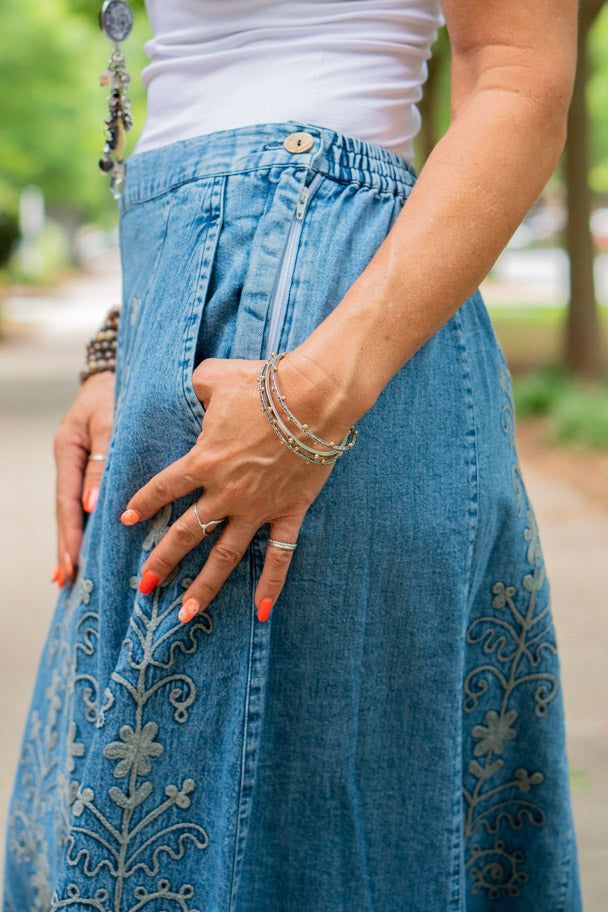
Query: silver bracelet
{"type": "Point", "coordinates": [301, 449]}
{"type": "Point", "coordinates": [352, 433]}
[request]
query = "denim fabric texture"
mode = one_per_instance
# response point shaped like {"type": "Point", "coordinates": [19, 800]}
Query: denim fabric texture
{"type": "Point", "coordinates": [393, 738]}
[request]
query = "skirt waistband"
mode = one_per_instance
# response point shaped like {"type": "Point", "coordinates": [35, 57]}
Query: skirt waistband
{"type": "Point", "coordinates": [338, 155]}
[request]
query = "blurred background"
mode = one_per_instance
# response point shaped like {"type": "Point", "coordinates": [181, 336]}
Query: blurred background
{"type": "Point", "coordinates": [547, 294]}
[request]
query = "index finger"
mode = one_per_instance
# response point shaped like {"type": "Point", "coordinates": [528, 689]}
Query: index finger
{"type": "Point", "coordinates": [174, 482]}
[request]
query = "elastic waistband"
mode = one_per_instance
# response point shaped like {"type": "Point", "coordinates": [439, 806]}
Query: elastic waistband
{"type": "Point", "coordinates": [338, 155]}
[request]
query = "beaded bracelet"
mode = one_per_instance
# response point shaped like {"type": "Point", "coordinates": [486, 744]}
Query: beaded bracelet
{"type": "Point", "coordinates": [349, 437]}
{"type": "Point", "coordinates": [333, 448]}
{"type": "Point", "coordinates": [101, 349]}
{"type": "Point", "coordinates": [266, 384]}
{"type": "Point", "coordinates": [297, 446]}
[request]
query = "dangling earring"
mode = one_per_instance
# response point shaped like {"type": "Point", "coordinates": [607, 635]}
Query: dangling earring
{"type": "Point", "coordinates": [116, 21]}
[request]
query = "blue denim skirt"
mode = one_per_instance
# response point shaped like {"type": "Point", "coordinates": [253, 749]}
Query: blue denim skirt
{"type": "Point", "coordinates": [393, 738]}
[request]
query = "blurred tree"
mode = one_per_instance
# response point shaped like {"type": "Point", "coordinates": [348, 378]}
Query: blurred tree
{"type": "Point", "coordinates": [597, 102]}
{"type": "Point", "coordinates": [435, 104]}
{"type": "Point", "coordinates": [9, 234]}
{"type": "Point", "coordinates": [52, 107]}
{"type": "Point", "coordinates": [9, 222]}
{"type": "Point", "coordinates": [585, 169]}
{"type": "Point", "coordinates": [583, 340]}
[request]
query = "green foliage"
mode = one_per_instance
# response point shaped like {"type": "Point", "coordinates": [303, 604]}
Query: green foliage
{"type": "Point", "coordinates": [538, 392]}
{"type": "Point", "coordinates": [597, 98]}
{"type": "Point", "coordinates": [52, 107]}
{"type": "Point", "coordinates": [442, 49]}
{"type": "Point", "coordinates": [577, 413]}
{"type": "Point", "coordinates": [581, 418]}
{"type": "Point", "coordinates": [52, 257]}
{"type": "Point", "coordinates": [90, 8]}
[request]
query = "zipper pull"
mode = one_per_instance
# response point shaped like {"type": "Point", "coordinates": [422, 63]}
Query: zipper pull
{"type": "Point", "coordinates": [301, 204]}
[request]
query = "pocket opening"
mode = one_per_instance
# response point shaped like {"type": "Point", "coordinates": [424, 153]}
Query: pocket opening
{"type": "Point", "coordinates": [199, 300]}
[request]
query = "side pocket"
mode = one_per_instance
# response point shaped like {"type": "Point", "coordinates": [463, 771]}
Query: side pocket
{"type": "Point", "coordinates": [142, 237]}
{"type": "Point", "coordinates": [196, 306]}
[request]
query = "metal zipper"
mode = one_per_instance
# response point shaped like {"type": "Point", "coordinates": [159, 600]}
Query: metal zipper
{"type": "Point", "coordinates": [281, 289]}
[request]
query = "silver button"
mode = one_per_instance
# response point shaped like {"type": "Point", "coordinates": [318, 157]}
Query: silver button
{"type": "Point", "coordinates": [299, 142]}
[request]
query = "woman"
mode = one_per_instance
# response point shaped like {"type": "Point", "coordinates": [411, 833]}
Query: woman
{"type": "Point", "coordinates": [391, 736]}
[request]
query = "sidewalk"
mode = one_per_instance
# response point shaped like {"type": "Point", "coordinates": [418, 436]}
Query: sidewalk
{"type": "Point", "coordinates": [574, 534]}
{"type": "Point", "coordinates": [38, 377]}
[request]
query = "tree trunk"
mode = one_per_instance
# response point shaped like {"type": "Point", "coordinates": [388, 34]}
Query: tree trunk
{"type": "Point", "coordinates": [583, 342]}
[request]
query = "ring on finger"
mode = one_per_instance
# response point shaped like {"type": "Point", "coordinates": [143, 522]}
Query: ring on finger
{"type": "Point", "coordinates": [286, 546]}
{"type": "Point", "coordinates": [97, 457]}
{"type": "Point", "coordinates": [209, 526]}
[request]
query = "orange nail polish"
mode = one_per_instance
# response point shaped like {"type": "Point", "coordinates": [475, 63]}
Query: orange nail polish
{"type": "Point", "coordinates": [149, 580]}
{"type": "Point", "coordinates": [60, 577]}
{"type": "Point", "coordinates": [90, 499]}
{"type": "Point", "coordinates": [55, 574]}
{"type": "Point", "coordinates": [130, 517]}
{"type": "Point", "coordinates": [189, 609]}
{"type": "Point", "coordinates": [264, 609]}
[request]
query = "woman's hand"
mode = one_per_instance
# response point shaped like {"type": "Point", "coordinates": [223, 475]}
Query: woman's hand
{"type": "Point", "coordinates": [85, 429]}
{"type": "Point", "coordinates": [249, 478]}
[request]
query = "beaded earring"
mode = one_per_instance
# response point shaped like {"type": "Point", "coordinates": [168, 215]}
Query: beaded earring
{"type": "Point", "coordinates": [116, 22]}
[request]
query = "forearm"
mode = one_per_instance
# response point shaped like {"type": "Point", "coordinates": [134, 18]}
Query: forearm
{"type": "Point", "coordinates": [471, 194]}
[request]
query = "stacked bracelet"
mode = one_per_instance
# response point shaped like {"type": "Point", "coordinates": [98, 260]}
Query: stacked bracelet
{"type": "Point", "coordinates": [269, 389]}
{"type": "Point", "coordinates": [101, 350]}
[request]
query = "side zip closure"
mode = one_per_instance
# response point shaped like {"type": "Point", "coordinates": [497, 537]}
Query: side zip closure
{"type": "Point", "coordinates": [283, 282]}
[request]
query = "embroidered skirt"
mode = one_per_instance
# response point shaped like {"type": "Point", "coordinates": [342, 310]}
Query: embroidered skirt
{"type": "Point", "coordinates": [393, 738]}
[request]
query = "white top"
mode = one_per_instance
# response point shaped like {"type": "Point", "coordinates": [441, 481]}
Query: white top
{"type": "Point", "coordinates": [356, 66]}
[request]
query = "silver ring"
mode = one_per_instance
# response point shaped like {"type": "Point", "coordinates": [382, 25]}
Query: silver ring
{"type": "Point", "coordinates": [97, 457]}
{"type": "Point", "coordinates": [286, 546]}
{"type": "Point", "coordinates": [208, 526]}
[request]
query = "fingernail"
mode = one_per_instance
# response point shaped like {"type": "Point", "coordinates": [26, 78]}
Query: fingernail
{"type": "Point", "coordinates": [60, 579]}
{"type": "Point", "coordinates": [130, 517]}
{"type": "Point", "coordinates": [149, 580]}
{"type": "Point", "coordinates": [55, 574]}
{"type": "Point", "coordinates": [90, 499]}
{"type": "Point", "coordinates": [190, 607]}
{"type": "Point", "coordinates": [264, 609]}
{"type": "Point", "coordinates": [69, 566]}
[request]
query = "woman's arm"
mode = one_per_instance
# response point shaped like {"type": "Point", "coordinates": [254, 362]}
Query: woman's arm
{"type": "Point", "coordinates": [512, 78]}
{"type": "Point", "coordinates": [513, 67]}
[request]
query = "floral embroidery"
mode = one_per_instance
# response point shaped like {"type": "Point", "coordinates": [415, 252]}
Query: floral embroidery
{"type": "Point", "coordinates": [130, 836]}
{"type": "Point", "coordinates": [126, 829]}
{"type": "Point", "coordinates": [494, 733]}
{"type": "Point", "coordinates": [44, 785]}
{"type": "Point", "coordinates": [134, 750]}
{"type": "Point", "coordinates": [513, 637]}
{"type": "Point", "coordinates": [74, 748]}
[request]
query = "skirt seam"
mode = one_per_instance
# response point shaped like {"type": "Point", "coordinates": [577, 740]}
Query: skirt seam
{"type": "Point", "coordinates": [259, 644]}
{"type": "Point", "coordinates": [472, 464]}
{"type": "Point", "coordinates": [239, 813]}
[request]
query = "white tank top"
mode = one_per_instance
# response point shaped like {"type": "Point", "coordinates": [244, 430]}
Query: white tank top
{"type": "Point", "coordinates": [356, 66]}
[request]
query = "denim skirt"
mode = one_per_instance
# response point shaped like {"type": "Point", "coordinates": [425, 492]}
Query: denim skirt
{"type": "Point", "coordinates": [393, 737]}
